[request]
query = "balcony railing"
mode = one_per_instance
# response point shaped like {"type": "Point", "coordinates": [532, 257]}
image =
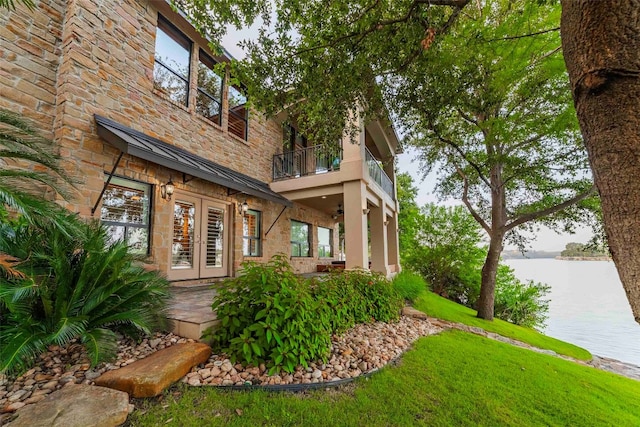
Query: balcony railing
{"type": "Point", "coordinates": [377, 173]}
{"type": "Point", "coordinates": [306, 161]}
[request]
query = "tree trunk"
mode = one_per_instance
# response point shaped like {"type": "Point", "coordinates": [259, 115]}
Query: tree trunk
{"type": "Point", "coordinates": [496, 236]}
{"type": "Point", "coordinates": [601, 44]}
{"type": "Point", "coordinates": [486, 301]}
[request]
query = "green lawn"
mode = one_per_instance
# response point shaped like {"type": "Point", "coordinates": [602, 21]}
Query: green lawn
{"type": "Point", "coordinates": [441, 308]}
{"type": "Point", "coordinates": [451, 379]}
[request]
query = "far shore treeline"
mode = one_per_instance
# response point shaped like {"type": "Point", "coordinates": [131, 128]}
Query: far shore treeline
{"type": "Point", "coordinates": [573, 252]}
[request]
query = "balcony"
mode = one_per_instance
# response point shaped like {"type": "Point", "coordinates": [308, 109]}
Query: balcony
{"type": "Point", "coordinates": [306, 161]}
{"type": "Point", "coordinates": [377, 174]}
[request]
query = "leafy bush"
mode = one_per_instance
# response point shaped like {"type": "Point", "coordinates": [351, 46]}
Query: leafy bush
{"type": "Point", "coordinates": [357, 296]}
{"type": "Point", "coordinates": [70, 286]}
{"type": "Point", "coordinates": [447, 253]}
{"type": "Point", "coordinates": [268, 315]}
{"type": "Point", "coordinates": [409, 285]}
{"type": "Point", "coordinates": [518, 302]}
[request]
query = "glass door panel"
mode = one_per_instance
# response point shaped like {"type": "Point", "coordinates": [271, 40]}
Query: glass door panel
{"type": "Point", "coordinates": [183, 244]}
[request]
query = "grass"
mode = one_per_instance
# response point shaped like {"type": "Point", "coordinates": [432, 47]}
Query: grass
{"type": "Point", "coordinates": [451, 379]}
{"type": "Point", "coordinates": [441, 308]}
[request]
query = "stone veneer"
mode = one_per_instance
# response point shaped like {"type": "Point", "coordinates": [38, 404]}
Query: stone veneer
{"type": "Point", "coordinates": [67, 61]}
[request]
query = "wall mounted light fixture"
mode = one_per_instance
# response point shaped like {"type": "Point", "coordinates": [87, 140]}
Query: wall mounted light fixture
{"type": "Point", "coordinates": [366, 211]}
{"type": "Point", "coordinates": [243, 208]}
{"type": "Point", "coordinates": [166, 190]}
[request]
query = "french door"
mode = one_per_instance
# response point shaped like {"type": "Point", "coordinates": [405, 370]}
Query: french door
{"type": "Point", "coordinates": [200, 238]}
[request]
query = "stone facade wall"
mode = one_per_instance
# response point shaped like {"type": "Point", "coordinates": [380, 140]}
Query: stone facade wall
{"type": "Point", "coordinates": [72, 59]}
{"type": "Point", "coordinates": [29, 57]}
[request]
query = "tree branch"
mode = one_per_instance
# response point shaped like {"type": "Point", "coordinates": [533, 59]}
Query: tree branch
{"type": "Point", "coordinates": [551, 210]}
{"type": "Point", "coordinates": [464, 156]}
{"type": "Point", "coordinates": [525, 35]}
{"type": "Point", "coordinates": [467, 203]}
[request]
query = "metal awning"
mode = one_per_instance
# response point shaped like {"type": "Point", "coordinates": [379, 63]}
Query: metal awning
{"type": "Point", "coordinates": [138, 144]}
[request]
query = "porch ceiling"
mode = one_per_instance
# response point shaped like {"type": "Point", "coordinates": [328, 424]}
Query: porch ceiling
{"type": "Point", "coordinates": [146, 147]}
{"type": "Point", "coordinates": [328, 205]}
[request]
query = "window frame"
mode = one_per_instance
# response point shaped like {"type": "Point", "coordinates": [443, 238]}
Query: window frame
{"type": "Point", "coordinates": [330, 245]}
{"type": "Point", "coordinates": [309, 253]}
{"type": "Point", "coordinates": [181, 39]}
{"type": "Point", "coordinates": [242, 89]}
{"type": "Point", "coordinates": [250, 239]}
{"type": "Point", "coordinates": [201, 54]}
{"type": "Point", "coordinates": [122, 182]}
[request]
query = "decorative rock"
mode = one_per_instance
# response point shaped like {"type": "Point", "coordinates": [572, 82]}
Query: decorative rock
{"type": "Point", "coordinates": [12, 407]}
{"type": "Point", "coordinates": [76, 406]}
{"type": "Point", "coordinates": [412, 312]}
{"type": "Point", "coordinates": [148, 377]}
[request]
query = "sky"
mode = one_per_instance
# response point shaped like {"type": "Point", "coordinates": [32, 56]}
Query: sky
{"type": "Point", "coordinates": [544, 240]}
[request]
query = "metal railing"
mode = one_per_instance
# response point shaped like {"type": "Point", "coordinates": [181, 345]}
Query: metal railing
{"type": "Point", "coordinates": [306, 161]}
{"type": "Point", "coordinates": [377, 173]}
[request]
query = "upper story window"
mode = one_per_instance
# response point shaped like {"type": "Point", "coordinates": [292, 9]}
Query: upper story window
{"type": "Point", "coordinates": [292, 138]}
{"type": "Point", "coordinates": [126, 213]}
{"type": "Point", "coordinates": [300, 239]}
{"type": "Point", "coordinates": [251, 230]}
{"type": "Point", "coordinates": [238, 112]}
{"type": "Point", "coordinates": [210, 86]}
{"type": "Point", "coordinates": [324, 242]}
{"type": "Point", "coordinates": [172, 60]}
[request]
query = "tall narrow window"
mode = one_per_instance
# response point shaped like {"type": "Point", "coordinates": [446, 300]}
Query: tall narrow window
{"type": "Point", "coordinates": [238, 112]}
{"type": "Point", "coordinates": [300, 239]}
{"type": "Point", "coordinates": [325, 247]}
{"type": "Point", "coordinates": [251, 231]}
{"type": "Point", "coordinates": [209, 98]}
{"type": "Point", "coordinates": [172, 59]}
{"type": "Point", "coordinates": [126, 214]}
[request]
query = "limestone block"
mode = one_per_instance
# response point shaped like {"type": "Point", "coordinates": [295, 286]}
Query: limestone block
{"type": "Point", "coordinates": [412, 312]}
{"type": "Point", "coordinates": [148, 377]}
{"type": "Point", "coordinates": [76, 406]}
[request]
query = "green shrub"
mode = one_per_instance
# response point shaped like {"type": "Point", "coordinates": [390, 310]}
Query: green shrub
{"type": "Point", "coordinates": [518, 302]}
{"type": "Point", "coordinates": [357, 296]}
{"type": "Point", "coordinates": [73, 286]}
{"type": "Point", "coordinates": [268, 315]}
{"type": "Point", "coordinates": [409, 285]}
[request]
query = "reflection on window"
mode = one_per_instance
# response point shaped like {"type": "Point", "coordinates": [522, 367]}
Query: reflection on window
{"type": "Point", "coordinates": [182, 246]}
{"type": "Point", "coordinates": [324, 242]}
{"type": "Point", "coordinates": [300, 245]}
{"type": "Point", "coordinates": [238, 112]}
{"type": "Point", "coordinates": [125, 213]}
{"type": "Point", "coordinates": [172, 59]}
{"type": "Point", "coordinates": [251, 244]}
{"type": "Point", "coordinates": [209, 98]}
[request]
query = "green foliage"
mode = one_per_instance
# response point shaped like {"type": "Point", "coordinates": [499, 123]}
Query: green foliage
{"type": "Point", "coordinates": [269, 315]}
{"type": "Point", "coordinates": [11, 4]}
{"type": "Point", "coordinates": [408, 215]}
{"type": "Point", "coordinates": [448, 255]}
{"type": "Point", "coordinates": [573, 249]}
{"type": "Point", "coordinates": [357, 296]}
{"type": "Point", "coordinates": [29, 166]}
{"type": "Point", "coordinates": [409, 285]}
{"type": "Point", "coordinates": [73, 285]}
{"type": "Point", "coordinates": [520, 303]}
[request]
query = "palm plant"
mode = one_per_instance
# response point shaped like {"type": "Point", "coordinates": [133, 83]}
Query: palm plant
{"type": "Point", "coordinates": [29, 166]}
{"type": "Point", "coordinates": [73, 286]}
{"type": "Point", "coordinates": [11, 4]}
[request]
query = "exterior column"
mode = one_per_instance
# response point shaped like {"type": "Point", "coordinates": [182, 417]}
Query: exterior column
{"type": "Point", "coordinates": [392, 240]}
{"type": "Point", "coordinates": [355, 225]}
{"type": "Point", "coordinates": [379, 251]}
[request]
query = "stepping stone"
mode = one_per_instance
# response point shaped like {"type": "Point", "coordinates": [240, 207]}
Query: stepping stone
{"type": "Point", "coordinates": [148, 377]}
{"type": "Point", "coordinates": [76, 406]}
{"type": "Point", "coordinates": [412, 312]}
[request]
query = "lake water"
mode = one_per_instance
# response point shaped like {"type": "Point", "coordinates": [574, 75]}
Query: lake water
{"type": "Point", "coordinates": [588, 306]}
